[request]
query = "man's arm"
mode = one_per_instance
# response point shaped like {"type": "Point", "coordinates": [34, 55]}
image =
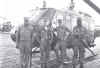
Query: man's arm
{"type": "Point", "coordinates": [17, 38]}
{"type": "Point", "coordinates": [33, 35]}
{"type": "Point", "coordinates": [84, 32]}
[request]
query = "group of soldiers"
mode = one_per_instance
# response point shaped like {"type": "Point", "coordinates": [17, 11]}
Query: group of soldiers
{"type": "Point", "coordinates": [28, 33]}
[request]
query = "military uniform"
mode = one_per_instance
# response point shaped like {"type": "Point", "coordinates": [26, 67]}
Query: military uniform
{"type": "Point", "coordinates": [62, 34]}
{"type": "Point", "coordinates": [24, 44]}
{"type": "Point", "coordinates": [45, 46]}
{"type": "Point", "coordinates": [79, 40]}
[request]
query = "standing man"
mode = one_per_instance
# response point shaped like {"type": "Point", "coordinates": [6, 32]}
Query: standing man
{"type": "Point", "coordinates": [24, 43]}
{"type": "Point", "coordinates": [62, 34]}
{"type": "Point", "coordinates": [79, 42]}
{"type": "Point", "coordinates": [45, 45]}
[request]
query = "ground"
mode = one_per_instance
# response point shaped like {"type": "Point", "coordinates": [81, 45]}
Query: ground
{"type": "Point", "coordinates": [9, 55]}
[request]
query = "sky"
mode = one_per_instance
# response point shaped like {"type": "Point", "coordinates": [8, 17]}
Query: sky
{"type": "Point", "coordinates": [15, 10]}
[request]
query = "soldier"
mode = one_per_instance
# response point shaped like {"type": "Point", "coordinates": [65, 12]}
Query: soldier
{"type": "Point", "coordinates": [45, 45]}
{"type": "Point", "coordinates": [79, 33]}
{"type": "Point", "coordinates": [61, 43]}
{"type": "Point", "coordinates": [24, 43]}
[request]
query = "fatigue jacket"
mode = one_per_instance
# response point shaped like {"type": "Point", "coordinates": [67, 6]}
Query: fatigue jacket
{"type": "Point", "coordinates": [62, 32]}
{"type": "Point", "coordinates": [47, 34]}
{"type": "Point", "coordinates": [80, 32]}
{"type": "Point", "coordinates": [24, 36]}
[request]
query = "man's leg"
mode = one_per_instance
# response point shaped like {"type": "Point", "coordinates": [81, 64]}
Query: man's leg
{"type": "Point", "coordinates": [47, 55]}
{"type": "Point", "coordinates": [29, 60]}
{"type": "Point", "coordinates": [74, 62]}
{"type": "Point", "coordinates": [21, 60]}
{"type": "Point", "coordinates": [42, 59]}
{"type": "Point", "coordinates": [81, 56]}
{"type": "Point", "coordinates": [26, 60]}
{"type": "Point", "coordinates": [57, 48]}
{"type": "Point", "coordinates": [43, 54]}
{"type": "Point", "coordinates": [63, 51]}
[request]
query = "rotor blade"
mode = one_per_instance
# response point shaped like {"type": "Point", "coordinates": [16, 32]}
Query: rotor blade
{"type": "Point", "coordinates": [92, 5]}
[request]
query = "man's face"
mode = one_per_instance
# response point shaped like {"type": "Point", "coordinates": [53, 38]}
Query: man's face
{"type": "Point", "coordinates": [26, 22]}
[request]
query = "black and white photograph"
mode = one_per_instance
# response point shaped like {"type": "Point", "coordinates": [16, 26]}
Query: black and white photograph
{"type": "Point", "coordinates": [49, 33]}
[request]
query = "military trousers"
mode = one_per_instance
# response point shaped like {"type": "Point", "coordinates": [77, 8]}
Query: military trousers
{"type": "Point", "coordinates": [25, 54]}
{"type": "Point", "coordinates": [60, 50]}
{"type": "Point", "coordinates": [79, 53]}
{"type": "Point", "coordinates": [45, 52]}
